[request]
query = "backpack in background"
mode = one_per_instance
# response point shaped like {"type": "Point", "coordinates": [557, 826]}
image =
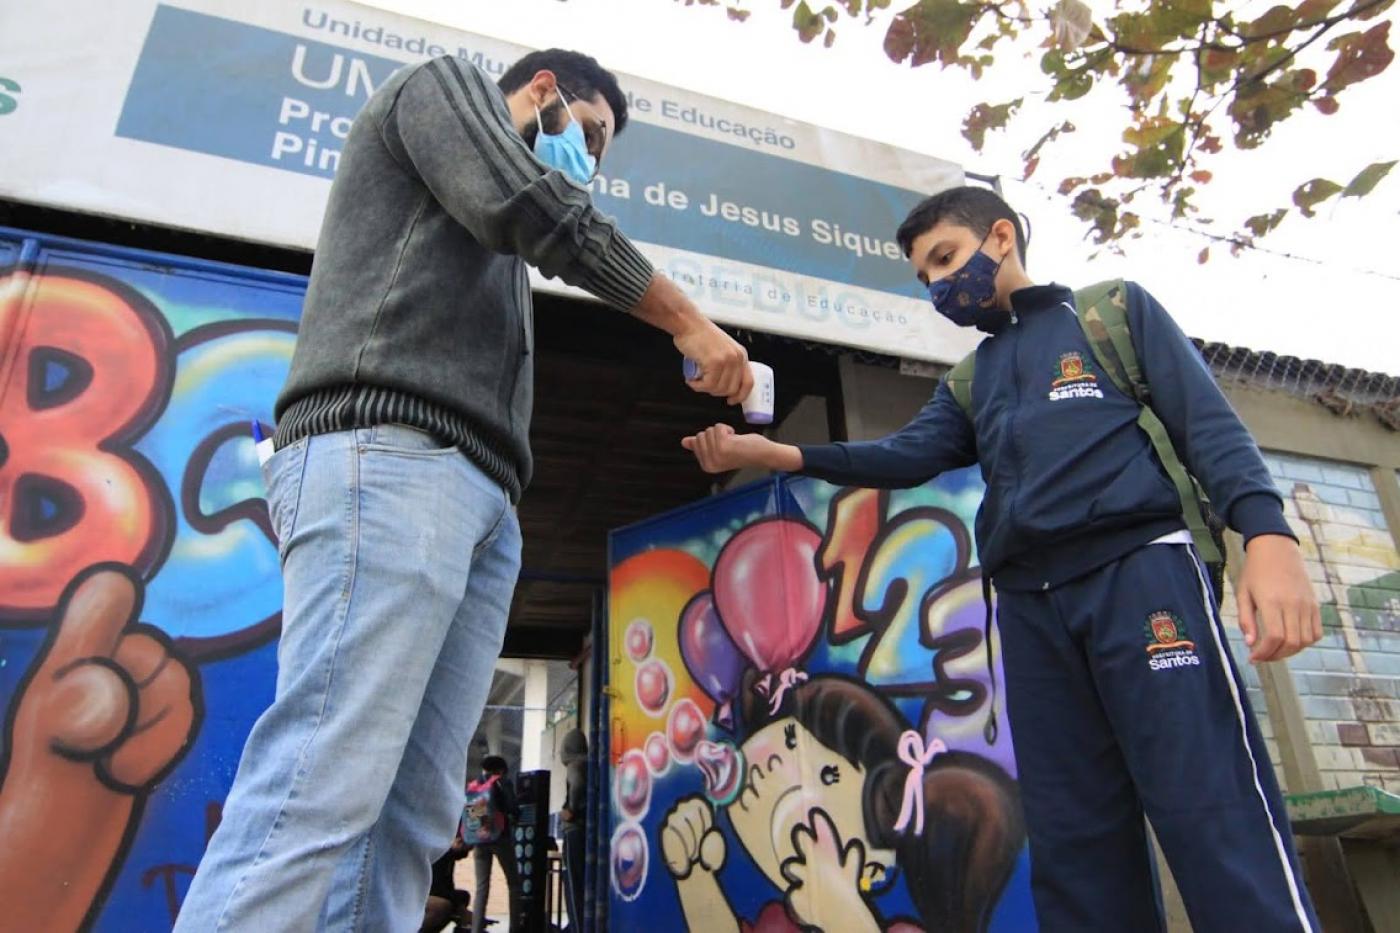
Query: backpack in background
{"type": "Point", "coordinates": [483, 821]}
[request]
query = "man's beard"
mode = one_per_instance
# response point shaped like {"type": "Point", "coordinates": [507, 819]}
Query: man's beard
{"type": "Point", "coordinates": [554, 119]}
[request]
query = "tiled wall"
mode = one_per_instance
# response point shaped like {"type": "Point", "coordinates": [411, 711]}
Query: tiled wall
{"type": "Point", "coordinates": [1348, 683]}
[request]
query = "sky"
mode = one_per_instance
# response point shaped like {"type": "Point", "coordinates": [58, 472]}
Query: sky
{"type": "Point", "coordinates": [1334, 296]}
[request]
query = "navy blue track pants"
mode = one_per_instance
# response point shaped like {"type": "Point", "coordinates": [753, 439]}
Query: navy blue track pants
{"type": "Point", "coordinates": [1123, 699]}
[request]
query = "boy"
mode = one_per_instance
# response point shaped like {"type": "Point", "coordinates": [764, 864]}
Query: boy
{"type": "Point", "coordinates": [502, 801]}
{"type": "Point", "coordinates": [1083, 534]}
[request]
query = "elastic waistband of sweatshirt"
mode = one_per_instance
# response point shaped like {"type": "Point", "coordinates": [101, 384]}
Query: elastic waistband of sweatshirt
{"type": "Point", "coordinates": [350, 407]}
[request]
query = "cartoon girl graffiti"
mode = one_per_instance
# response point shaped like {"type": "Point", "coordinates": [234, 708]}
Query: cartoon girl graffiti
{"type": "Point", "coordinates": [838, 795]}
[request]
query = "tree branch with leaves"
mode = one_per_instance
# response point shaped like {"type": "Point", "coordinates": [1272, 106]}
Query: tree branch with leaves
{"type": "Point", "coordinates": [1197, 77]}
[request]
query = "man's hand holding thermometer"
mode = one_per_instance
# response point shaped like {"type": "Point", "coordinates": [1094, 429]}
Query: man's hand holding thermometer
{"type": "Point", "coordinates": [758, 402]}
{"type": "Point", "coordinates": [723, 362]}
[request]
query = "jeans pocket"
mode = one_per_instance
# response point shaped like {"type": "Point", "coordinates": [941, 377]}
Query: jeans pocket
{"type": "Point", "coordinates": [403, 440]}
{"type": "Point", "coordinates": [282, 475]}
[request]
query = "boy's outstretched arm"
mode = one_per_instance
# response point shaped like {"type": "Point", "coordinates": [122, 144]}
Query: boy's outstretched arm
{"type": "Point", "coordinates": [1279, 613]}
{"type": "Point", "coordinates": [939, 438]}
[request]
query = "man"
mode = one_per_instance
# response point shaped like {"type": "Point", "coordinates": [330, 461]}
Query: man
{"type": "Point", "coordinates": [402, 448]}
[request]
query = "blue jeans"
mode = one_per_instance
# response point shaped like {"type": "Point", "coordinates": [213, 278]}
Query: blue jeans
{"type": "Point", "coordinates": [399, 558]}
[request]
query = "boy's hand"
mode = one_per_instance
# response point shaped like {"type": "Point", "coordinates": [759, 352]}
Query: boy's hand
{"type": "Point", "coordinates": [1279, 614]}
{"type": "Point", "coordinates": [719, 450]}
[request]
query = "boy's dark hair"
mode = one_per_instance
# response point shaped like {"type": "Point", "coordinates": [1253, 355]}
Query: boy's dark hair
{"type": "Point", "coordinates": [957, 868]}
{"type": "Point", "coordinates": [493, 764]}
{"type": "Point", "coordinates": [578, 75]}
{"type": "Point", "coordinates": [974, 208]}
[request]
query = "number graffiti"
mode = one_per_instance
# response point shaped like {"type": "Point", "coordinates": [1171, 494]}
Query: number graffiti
{"type": "Point", "coordinates": [829, 678]}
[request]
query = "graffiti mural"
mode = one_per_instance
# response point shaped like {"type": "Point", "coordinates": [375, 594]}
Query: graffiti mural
{"type": "Point", "coordinates": [140, 593]}
{"type": "Point", "coordinates": [804, 731]}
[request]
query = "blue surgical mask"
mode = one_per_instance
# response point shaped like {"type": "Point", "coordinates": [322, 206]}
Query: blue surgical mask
{"type": "Point", "coordinates": [567, 151]}
{"type": "Point", "coordinates": [968, 296]}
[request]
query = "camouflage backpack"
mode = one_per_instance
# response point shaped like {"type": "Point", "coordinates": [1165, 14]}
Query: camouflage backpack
{"type": "Point", "coordinates": [1103, 313]}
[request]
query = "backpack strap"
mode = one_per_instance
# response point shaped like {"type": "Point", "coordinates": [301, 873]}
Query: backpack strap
{"type": "Point", "coordinates": [1103, 314]}
{"type": "Point", "coordinates": [959, 380]}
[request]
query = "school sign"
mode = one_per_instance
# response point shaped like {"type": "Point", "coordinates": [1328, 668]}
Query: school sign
{"type": "Point", "coordinates": [229, 117]}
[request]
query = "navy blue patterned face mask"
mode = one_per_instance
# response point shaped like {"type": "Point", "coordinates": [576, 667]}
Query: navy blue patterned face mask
{"type": "Point", "coordinates": [968, 296]}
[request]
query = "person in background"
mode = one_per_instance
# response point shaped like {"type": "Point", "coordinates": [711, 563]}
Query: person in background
{"type": "Point", "coordinates": [499, 812]}
{"type": "Point", "coordinates": [447, 903]}
{"type": "Point", "coordinates": [573, 752]}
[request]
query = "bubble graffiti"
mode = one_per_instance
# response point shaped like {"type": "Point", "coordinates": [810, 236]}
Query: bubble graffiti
{"type": "Point", "coordinates": [658, 753]}
{"type": "Point", "coordinates": [632, 783]}
{"type": "Point", "coordinates": [638, 639]}
{"type": "Point", "coordinates": [654, 686]}
{"type": "Point", "coordinates": [629, 861]}
{"type": "Point", "coordinates": [684, 730]}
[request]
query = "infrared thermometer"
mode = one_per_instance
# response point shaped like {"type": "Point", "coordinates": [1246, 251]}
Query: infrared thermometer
{"type": "Point", "coordinates": [758, 405]}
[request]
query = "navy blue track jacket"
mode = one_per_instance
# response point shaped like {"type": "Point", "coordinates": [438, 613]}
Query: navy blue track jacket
{"type": "Point", "coordinates": [1072, 482]}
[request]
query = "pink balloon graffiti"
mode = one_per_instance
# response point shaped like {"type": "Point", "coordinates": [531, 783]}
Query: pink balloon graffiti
{"type": "Point", "coordinates": [638, 639]}
{"type": "Point", "coordinates": [653, 686]}
{"type": "Point", "coordinates": [633, 784]}
{"type": "Point", "coordinates": [768, 594]}
{"type": "Point", "coordinates": [684, 730]}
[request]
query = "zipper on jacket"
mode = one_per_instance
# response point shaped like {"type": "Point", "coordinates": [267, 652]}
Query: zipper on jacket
{"type": "Point", "coordinates": [1013, 431]}
{"type": "Point", "coordinates": [989, 727]}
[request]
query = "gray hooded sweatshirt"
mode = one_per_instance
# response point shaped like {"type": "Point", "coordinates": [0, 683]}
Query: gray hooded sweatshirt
{"type": "Point", "coordinates": [573, 752]}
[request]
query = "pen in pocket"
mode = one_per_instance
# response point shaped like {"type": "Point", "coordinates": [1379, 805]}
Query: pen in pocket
{"type": "Point", "coordinates": [262, 444]}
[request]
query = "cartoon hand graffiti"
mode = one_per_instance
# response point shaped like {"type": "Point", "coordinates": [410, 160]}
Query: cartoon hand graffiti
{"type": "Point", "coordinates": [108, 709]}
{"type": "Point", "coordinates": [690, 839]}
{"type": "Point", "coordinates": [825, 871]}
{"type": "Point", "coordinates": [693, 849]}
{"type": "Point", "coordinates": [820, 814]}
